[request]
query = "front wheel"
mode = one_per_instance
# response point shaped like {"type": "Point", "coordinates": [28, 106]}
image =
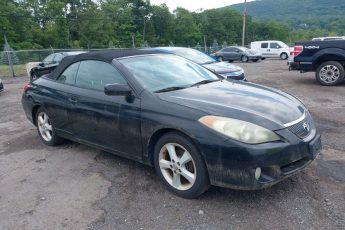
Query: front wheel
{"type": "Point", "coordinates": [244, 59]}
{"type": "Point", "coordinates": [180, 166]}
{"type": "Point", "coordinates": [330, 73]}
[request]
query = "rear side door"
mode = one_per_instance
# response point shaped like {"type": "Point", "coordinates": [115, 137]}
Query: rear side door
{"type": "Point", "coordinates": [265, 49]}
{"type": "Point", "coordinates": [226, 53]}
{"type": "Point", "coordinates": [111, 122]}
{"type": "Point", "coordinates": [275, 49]}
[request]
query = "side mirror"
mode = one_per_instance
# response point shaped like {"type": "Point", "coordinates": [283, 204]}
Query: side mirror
{"type": "Point", "coordinates": [41, 64]}
{"type": "Point", "coordinates": [117, 90]}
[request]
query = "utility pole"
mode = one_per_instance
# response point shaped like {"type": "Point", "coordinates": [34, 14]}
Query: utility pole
{"type": "Point", "coordinates": [144, 31]}
{"type": "Point", "coordinates": [133, 41]}
{"type": "Point", "coordinates": [205, 44]}
{"type": "Point", "coordinates": [244, 22]}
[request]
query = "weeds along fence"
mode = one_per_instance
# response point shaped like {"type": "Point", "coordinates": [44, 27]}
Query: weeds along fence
{"type": "Point", "coordinates": [14, 62]}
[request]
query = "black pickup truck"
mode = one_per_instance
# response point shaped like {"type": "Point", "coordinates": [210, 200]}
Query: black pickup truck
{"type": "Point", "coordinates": [326, 58]}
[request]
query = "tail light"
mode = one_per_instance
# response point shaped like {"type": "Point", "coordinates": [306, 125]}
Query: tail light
{"type": "Point", "coordinates": [297, 50]}
{"type": "Point", "coordinates": [26, 88]}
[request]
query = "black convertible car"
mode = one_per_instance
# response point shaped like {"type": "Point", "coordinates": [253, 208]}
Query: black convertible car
{"type": "Point", "coordinates": [49, 64]}
{"type": "Point", "coordinates": [194, 127]}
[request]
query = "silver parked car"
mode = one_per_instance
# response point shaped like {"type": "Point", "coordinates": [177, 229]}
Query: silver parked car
{"type": "Point", "coordinates": [227, 70]}
{"type": "Point", "coordinates": [237, 53]}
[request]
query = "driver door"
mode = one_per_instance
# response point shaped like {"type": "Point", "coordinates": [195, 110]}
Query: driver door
{"type": "Point", "coordinates": [111, 122]}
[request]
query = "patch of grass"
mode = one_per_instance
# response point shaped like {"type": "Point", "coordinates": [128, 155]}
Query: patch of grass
{"type": "Point", "coordinates": [19, 70]}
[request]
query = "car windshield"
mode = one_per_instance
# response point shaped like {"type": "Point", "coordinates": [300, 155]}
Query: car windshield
{"type": "Point", "coordinates": [195, 56]}
{"type": "Point", "coordinates": [157, 73]}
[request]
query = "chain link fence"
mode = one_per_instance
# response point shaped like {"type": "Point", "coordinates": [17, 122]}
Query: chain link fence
{"type": "Point", "coordinates": [19, 62]}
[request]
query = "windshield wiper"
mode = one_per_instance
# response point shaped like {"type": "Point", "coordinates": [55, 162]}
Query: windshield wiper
{"type": "Point", "coordinates": [204, 82]}
{"type": "Point", "coordinates": [168, 89]}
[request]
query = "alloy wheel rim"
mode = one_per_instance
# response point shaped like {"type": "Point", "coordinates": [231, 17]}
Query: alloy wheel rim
{"type": "Point", "coordinates": [244, 59]}
{"type": "Point", "coordinates": [177, 166]}
{"type": "Point", "coordinates": [44, 126]}
{"type": "Point", "coordinates": [284, 56]}
{"type": "Point", "coordinates": [329, 74]}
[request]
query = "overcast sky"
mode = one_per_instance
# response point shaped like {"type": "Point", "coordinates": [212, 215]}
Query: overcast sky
{"type": "Point", "coordinates": [194, 5]}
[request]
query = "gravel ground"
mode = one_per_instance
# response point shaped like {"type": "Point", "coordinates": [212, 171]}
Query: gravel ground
{"type": "Point", "coordinates": [77, 187]}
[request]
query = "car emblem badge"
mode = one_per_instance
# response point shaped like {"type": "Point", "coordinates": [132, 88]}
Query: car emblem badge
{"type": "Point", "coordinates": [306, 126]}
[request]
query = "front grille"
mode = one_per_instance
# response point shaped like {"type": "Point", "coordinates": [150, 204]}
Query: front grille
{"type": "Point", "coordinates": [303, 128]}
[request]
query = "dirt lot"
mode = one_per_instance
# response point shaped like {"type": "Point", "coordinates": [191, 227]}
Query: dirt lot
{"type": "Point", "coordinates": [77, 187]}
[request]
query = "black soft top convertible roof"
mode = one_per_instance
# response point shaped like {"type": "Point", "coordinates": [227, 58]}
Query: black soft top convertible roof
{"type": "Point", "coordinates": [106, 56]}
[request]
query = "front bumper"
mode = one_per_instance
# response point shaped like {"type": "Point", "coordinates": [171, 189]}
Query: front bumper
{"type": "Point", "coordinates": [233, 165]}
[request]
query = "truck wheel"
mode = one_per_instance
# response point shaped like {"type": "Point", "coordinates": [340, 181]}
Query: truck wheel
{"type": "Point", "coordinates": [284, 56]}
{"type": "Point", "coordinates": [330, 73]}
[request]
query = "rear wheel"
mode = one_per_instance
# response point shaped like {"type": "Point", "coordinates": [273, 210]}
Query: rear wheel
{"type": "Point", "coordinates": [180, 166]}
{"type": "Point", "coordinates": [330, 73]}
{"type": "Point", "coordinates": [284, 56]}
{"type": "Point", "coordinates": [45, 128]}
{"type": "Point", "coordinates": [244, 58]}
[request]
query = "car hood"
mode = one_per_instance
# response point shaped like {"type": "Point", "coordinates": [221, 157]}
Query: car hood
{"type": "Point", "coordinates": [250, 102]}
{"type": "Point", "coordinates": [222, 67]}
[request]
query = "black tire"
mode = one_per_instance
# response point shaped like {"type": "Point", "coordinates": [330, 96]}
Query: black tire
{"type": "Point", "coordinates": [55, 139]}
{"type": "Point", "coordinates": [33, 77]}
{"type": "Point", "coordinates": [284, 56]}
{"type": "Point", "coordinates": [220, 58]}
{"type": "Point", "coordinates": [244, 58]}
{"type": "Point", "coordinates": [263, 58]}
{"type": "Point", "coordinates": [336, 67]}
{"type": "Point", "coordinates": [201, 183]}
{"type": "Point", "coordinates": [255, 60]}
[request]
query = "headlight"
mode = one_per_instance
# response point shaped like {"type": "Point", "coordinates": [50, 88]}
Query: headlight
{"type": "Point", "coordinates": [239, 130]}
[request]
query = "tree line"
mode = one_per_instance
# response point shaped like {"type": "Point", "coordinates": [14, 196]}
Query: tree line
{"type": "Point", "coordinates": [36, 24]}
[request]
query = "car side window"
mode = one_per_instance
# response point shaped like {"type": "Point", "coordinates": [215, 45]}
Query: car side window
{"type": "Point", "coordinates": [227, 50]}
{"type": "Point", "coordinates": [274, 45]}
{"type": "Point", "coordinates": [264, 45]}
{"type": "Point", "coordinates": [68, 76]}
{"type": "Point", "coordinates": [96, 74]}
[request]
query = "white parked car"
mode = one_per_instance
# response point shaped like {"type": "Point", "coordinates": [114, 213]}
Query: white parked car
{"type": "Point", "coordinates": [271, 49]}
